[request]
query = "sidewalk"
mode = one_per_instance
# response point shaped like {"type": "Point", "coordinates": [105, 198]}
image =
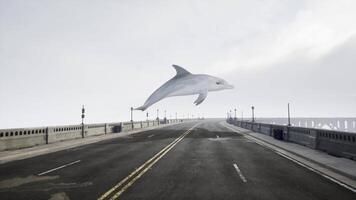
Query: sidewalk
{"type": "Point", "coordinates": [341, 169]}
{"type": "Point", "coordinates": [19, 154]}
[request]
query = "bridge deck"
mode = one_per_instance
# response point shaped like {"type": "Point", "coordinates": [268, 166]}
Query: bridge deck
{"type": "Point", "coordinates": [207, 162]}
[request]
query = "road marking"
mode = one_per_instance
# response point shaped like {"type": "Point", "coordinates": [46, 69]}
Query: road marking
{"type": "Point", "coordinates": [217, 136]}
{"type": "Point", "coordinates": [261, 143]}
{"type": "Point", "coordinates": [130, 179]}
{"type": "Point", "coordinates": [150, 135]}
{"type": "Point", "coordinates": [318, 172]}
{"type": "Point", "coordinates": [57, 168]}
{"type": "Point", "coordinates": [240, 173]}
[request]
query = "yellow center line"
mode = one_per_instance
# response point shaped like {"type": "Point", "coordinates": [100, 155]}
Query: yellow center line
{"type": "Point", "coordinates": [142, 169]}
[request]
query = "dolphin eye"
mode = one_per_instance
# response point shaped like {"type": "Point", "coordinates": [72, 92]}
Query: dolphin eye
{"type": "Point", "coordinates": [218, 83]}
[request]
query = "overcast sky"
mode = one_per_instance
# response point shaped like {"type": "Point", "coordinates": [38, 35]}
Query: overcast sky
{"type": "Point", "coordinates": [111, 55]}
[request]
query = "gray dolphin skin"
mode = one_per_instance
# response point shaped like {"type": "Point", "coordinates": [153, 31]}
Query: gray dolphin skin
{"type": "Point", "coordinates": [185, 83]}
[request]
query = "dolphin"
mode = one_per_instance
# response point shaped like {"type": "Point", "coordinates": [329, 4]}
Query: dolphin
{"type": "Point", "coordinates": [185, 83]}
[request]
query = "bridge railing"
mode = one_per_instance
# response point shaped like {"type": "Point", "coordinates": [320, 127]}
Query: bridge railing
{"type": "Point", "coordinates": [336, 143]}
{"type": "Point", "coordinates": [27, 137]}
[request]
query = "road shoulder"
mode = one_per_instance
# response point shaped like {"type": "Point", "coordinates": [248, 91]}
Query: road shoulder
{"type": "Point", "coordinates": [339, 170]}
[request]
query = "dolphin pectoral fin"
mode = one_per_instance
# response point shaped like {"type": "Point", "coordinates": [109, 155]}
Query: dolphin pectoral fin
{"type": "Point", "coordinates": [202, 96]}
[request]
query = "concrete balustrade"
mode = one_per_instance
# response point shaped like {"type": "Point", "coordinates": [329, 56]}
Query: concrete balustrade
{"type": "Point", "coordinates": [28, 137]}
{"type": "Point", "coordinates": [22, 137]}
{"type": "Point", "coordinates": [337, 143]}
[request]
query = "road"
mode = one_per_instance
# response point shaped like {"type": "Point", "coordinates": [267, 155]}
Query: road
{"type": "Point", "coordinates": [195, 160]}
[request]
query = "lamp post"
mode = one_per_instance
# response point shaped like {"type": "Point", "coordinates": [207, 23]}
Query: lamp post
{"type": "Point", "coordinates": [157, 114]}
{"type": "Point", "coordinates": [288, 116]}
{"type": "Point", "coordinates": [83, 116]}
{"type": "Point", "coordinates": [253, 114]}
{"type": "Point", "coordinates": [131, 109]}
{"type": "Point", "coordinates": [235, 113]}
{"type": "Point", "coordinates": [146, 116]}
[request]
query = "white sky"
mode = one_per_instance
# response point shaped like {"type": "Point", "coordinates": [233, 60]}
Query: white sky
{"type": "Point", "coordinates": [111, 55]}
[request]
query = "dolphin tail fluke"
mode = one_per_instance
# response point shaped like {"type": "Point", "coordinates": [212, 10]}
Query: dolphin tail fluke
{"type": "Point", "coordinates": [143, 108]}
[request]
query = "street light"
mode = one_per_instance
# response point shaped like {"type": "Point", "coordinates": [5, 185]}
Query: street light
{"type": "Point", "coordinates": [253, 113]}
{"type": "Point", "coordinates": [131, 114]}
{"type": "Point", "coordinates": [235, 113]}
{"type": "Point", "coordinates": [83, 115]}
{"type": "Point", "coordinates": [288, 116]}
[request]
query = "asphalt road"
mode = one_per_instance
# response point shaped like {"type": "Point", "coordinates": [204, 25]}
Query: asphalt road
{"type": "Point", "coordinates": [208, 161]}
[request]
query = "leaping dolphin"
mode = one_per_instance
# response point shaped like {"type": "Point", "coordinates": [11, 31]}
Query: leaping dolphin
{"type": "Point", "coordinates": [185, 83]}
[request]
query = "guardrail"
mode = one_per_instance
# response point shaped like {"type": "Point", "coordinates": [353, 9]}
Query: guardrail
{"type": "Point", "coordinates": [337, 143]}
{"type": "Point", "coordinates": [28, 137]}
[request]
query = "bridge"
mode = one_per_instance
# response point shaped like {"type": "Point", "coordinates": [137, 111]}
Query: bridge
{"type": "Point", "coordinates": [177, 159]}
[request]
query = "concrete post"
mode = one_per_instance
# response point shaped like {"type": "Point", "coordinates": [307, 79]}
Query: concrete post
{"type": "Point", "coordinates": [47, 135]}
{"type": "Point", "coordinates": [82, 130]}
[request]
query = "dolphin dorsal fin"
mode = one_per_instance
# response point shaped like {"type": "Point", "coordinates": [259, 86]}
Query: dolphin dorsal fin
{"type": "Point", "coordinates": [180, 70]}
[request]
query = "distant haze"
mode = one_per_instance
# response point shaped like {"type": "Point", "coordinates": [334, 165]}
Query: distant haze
{"type": "Point", "coordinates": [111, 55]}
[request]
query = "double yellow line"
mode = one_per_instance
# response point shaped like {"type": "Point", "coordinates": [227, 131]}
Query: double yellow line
{"type": "Point", "coordinates": [118, 189]}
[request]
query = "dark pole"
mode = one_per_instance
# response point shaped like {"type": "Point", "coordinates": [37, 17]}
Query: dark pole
{"type": "Point", "coordinates": [235, 113]}
{"type": "Point", "coordinates": [157, 114]}
{"type": "Point", "coordinates": [131, 114]}
{"type": "Point", "coordinates": [83, 115]}
{"type": "Point", "coordinates": [146, 116]}
{"type": "Point", "coordinates": [288, 116]}
{"type": "Point", "coordinates": [253, 113]}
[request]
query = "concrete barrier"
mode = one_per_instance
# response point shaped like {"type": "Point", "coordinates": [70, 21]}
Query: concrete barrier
{"type": "Point", "coordinates": [28, 137]}
{"type": "Point", "coordinates": [336, 143]}
{"type": "Point", "coordinates": [61, 133]}
{"type": "Point", "coordinates": [22, 137]}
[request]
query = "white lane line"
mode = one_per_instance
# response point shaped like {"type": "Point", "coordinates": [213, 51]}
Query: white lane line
{"type": "Point", "coordinates": [317, 172]}
{"type": "Point", "coordinates": [240, 173]}
{"type": "Point", "coordinates": [150, 135]}
{"type": "Point", "coordinates": [217, 136]}
{"type": "Point", "coordinates": [57, 168]}
{"type": "Point", "coordinates": [261, 143]}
